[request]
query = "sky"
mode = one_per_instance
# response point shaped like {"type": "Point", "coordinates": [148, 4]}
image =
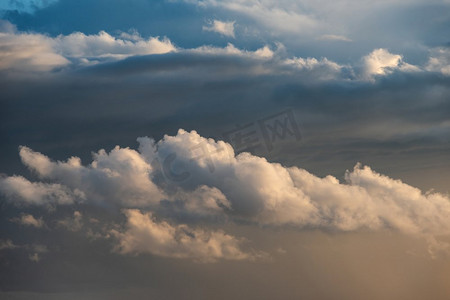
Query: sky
{"type": "Point", "coordinates": [236, 149]}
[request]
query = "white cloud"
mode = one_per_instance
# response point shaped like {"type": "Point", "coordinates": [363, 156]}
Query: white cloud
{"type": "Point", "coordinates": [322, 69]}
{"type": "Point", "coordinates": [103, 45]}
{"type": "Point", "coordinates": [121, 176]}
{"type": "Point", "coordinates": [269, 193]}
{"type": "Point", "coordinates": [203, 201]}
{"type": "Point", "coordinates": [261, 53]}
{"type": "Point", "coordinates": [382, 62]}
{"type": "Point", "coordinates": [439, 61]}
{"type": "Point", "coordinates": [334, 37]}
{"type": "Point", "coordinates": [29, 220]}
{"type": "Point", "coordinates": [23, 51]}
{"type": "Point", "coordinates": [29, 52]}
{"type": "Point", "coordinates": [216, 182]}
{"type": "Point", "coordinates": [280, 16]}
{"type": "Point", "coordinates": [18, 189]}
{"type": "Point", "coordinates": [143, 234]}
{"type": "Point", "coordinates": [224, 28]}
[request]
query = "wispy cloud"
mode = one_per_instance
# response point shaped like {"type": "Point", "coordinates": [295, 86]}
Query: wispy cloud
{"type": "Point", "coordinates": [223, 28]}
{"type": "Point", "coordinates": [334, 37]}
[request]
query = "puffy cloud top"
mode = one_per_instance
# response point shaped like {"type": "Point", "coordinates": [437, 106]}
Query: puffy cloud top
{"type": "Point", "coordinates": [203, 177]}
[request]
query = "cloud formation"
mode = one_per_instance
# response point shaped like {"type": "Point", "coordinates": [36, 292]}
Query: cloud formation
{"type": "Point", "coordinates": [22, 191]}
{"type": "Point", "coordinates": [74, 223]}
{"type": "Point", "coordinates": [29, 220]}
{"type": "Point", "coordinates": [143, 234]}
{"type": "Point", "coordinates": [224, 28]}
{"type": "Point", "coordinates": [28, 6]}
{"type": "Point", "coordinates": [439, 61]}
{"type": "Point", "coordinates": [195, 176]}
{"type": "Point", "coordinates": [334, 37]}
{"type": "Point", "coordinates": [382, 62]}
{"type": "Point", "coordinates": [22, 51]}
{"type": "Point", "coordinates": [25, 52]}
{"type": "Point", "coordinates": [121, 176]}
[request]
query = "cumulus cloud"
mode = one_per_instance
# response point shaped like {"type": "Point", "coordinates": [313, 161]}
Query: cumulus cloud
{"type": "Point", "coordinates": [22, 191]}
{"type": "Point", "coordinates": [22, 51]}
{"type": "Point", "coordinates": [322, 69]}
{"type": "Point", "coordinates": [439, 61]}
{"type": "Point", "coordinates": [190, 176]}
{"type": "Point", "coordinates": [382, 62]}
{"type": "Point", "coordinates": [143, 234]}
{"type": "Point", "coordinates": [29, 220]}
{"type": "Point", "coordinates": [269, 193]}
{"type": "Point", "coordinates": [224, 28]}
{"type": "Point", "coordinates": [202, 203]}
{"type": "Point", "coordinates": [121, 176]}
{"type": "Point", "coordinates": [29, 52]}
{"type": "Point", "coordinates": [262, 53]}
{"type": "Point", "coordinates": [103, 45]}
{"type": "Point", "coordinates": [35, 52]}
{"type": "Point", "coordinates": [199, 177]}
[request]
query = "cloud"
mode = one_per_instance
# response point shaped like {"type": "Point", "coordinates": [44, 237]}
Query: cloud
{"type": "Point", "coordinates": [283, 18]}
{"type": "Point", "coordinates": [334, 37]}
{"type": "Point", "coordinates": [29, 220]}
{"type": "Point", "coordinates": [202, 203]}
{"type": "Point", "coordinates": [121, 176]}
{"type": "Point", "coordinates": [103, 45]}
{"type": "Point", "coordinates": [322, 69]}
{"type": "Point", "coordinates": [34, 250]}
{"type": "Point", "coordinates": [22, 191]}
{"type": "Point", "coordinates": [224, 28]}
{"type": "Point", "coordinates": [143, 234]}
{"type": "Point", "coordinates": [7, 244]}
{"type": "Point", "coordinates": [439, 61]}
{"type": "Point", "coordinates": [230, 50]}
{"type": "Point", "coordinates": [73, 224]}
{"type": "Point", "coordinates": [269, 193]}
{"type": "Point", "coordinates": [382, 62]}
{"type": "Point", "coordinates": [29, 52]}
{"type": "Point", "coordinates": [28, 6]}
{"type": "Point", "coordinates": [200, 177]}
{"type": "Point", "coordinates": [36, 52]}
{"type": "Point", "coordinates": [33, 52]}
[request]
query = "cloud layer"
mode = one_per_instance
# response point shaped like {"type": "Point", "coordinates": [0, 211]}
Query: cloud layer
{"type": "Point", "coordinates": [189, 175]}
{"type": "Point", "coordinates": [26, 52]}
{"type": "Point", "coordinates": [37, 52]}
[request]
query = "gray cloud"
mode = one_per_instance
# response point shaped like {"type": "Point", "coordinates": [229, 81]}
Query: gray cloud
{"type": "Point", "coordinates": [29, 220]}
